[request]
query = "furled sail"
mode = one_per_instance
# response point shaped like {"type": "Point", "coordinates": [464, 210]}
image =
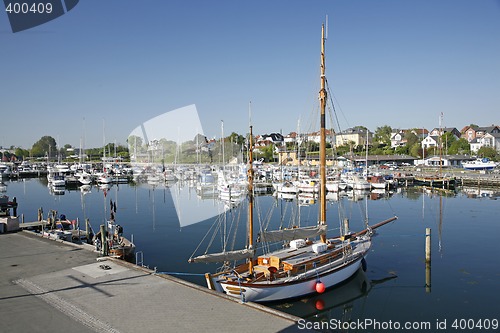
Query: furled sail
{"type": "Point", "coordinates": [224, 256]}
{"type": "Point", "coordinates": [293, 233]}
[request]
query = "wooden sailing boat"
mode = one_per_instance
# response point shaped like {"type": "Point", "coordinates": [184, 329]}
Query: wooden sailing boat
{"type": "Point", "coordinates": [303, 266]}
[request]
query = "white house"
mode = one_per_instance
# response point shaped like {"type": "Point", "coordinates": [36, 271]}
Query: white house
{"type": "Point", "coordinates": [487, 140]}
{"type": "Point", "coordinates": [397, 139]}
{"type": "Point", "coordinates": [475, 145]}
{"type": "Point", "coordinates": [430, 141]}
{"type": "Point", "coordinates": [315, 136]}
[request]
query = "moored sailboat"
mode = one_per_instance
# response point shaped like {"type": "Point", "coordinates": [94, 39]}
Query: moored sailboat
{"type": "Point", "coordinates": [309, 262]}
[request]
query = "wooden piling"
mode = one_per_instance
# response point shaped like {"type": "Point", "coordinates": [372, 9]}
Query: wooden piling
{"type": "Point", "coordinates": [104, 240]}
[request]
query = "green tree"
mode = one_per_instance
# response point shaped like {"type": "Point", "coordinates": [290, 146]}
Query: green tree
{"type": "Point", "coordinates": [377, 150]}
{"type": "Point", "coordinates": [402, 150]}
{"type": "Point", "coordinates": [344, 149]}
{"type": "Point", "coordinates": [266, 152]}
{"type": "Point", "coordinates": [411, 139]}
{"type": "Point", "coordinates": [416, 150]}
{"type": "Point", "coordinates": [383, 135]}
{"type": "Point", "coordinates": [134, 141]}
{"type": "Point", "coordinates": [487, 152]}
{"type": "Point", "coordinates": [21, 153]}
{"type": "Point", "coordinates": [45, 146]}
{"type": "Point", "coordinates": [360, 128]}
{"type": "Point", "coordinates": [460, 146]}
{"type": "Point", "coordinates": [236, 138]}
{"type": "Point", "coordinates": [447, 140]}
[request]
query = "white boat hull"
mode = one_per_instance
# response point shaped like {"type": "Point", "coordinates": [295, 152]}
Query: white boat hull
{"type": "Point", "coordinates": [274, 292]}
{"type": "Point", "coordinates": [332, 186]}
{"type": "Point", "coordinates": [479, 166]}
{"type": "Point", "coordinates": [58, 182]}
{"type": "Point", "coordinates": [330, 274]}
{"type": "Point", "coordinates": [285, 188]}
{"type": "Point", "coordinates": [380, 186]}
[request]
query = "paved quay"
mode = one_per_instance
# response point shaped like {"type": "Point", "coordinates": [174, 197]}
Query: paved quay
{"type": "Point", "coordinates": [50, 286]}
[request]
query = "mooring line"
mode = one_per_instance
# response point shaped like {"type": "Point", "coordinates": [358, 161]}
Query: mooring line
{"type": "Point", "coordinates": [180, 273]}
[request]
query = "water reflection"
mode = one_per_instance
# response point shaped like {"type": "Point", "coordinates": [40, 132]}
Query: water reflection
{"type": "Point", "coordinates": [343, 297]}
{"type": "Point", "coordinates": [464, 282]}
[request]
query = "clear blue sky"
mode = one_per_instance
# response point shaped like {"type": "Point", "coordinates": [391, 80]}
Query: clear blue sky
{"type": "Point", "coordinates": [122, 62]}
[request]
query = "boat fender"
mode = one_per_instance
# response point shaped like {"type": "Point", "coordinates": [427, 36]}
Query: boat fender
{"type": "Point", "coordinates": [363, 264]}
{"type": "Point", "coordinates": [320, 287]}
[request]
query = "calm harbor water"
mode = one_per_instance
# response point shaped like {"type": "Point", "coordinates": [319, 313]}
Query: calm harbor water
{"type": "Point", "coordinates": [465, 269]}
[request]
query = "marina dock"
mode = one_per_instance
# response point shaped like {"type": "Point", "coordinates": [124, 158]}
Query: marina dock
{"type": "Point", "coordinates": [51, 286]}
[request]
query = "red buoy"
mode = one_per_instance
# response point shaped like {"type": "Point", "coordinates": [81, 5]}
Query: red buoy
{"type": "Point", "coordinates": [320, 287]}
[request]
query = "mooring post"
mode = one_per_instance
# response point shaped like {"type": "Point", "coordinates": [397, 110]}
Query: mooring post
{"type": "Point", "coordinates": [104, 240]}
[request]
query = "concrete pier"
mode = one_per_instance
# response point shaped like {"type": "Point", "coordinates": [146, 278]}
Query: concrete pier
{"type": "Point", "coordinates": [50, 286]}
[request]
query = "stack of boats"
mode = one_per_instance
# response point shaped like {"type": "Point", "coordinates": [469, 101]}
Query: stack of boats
{"type": "Point", "coordinates": [335, 182]}
{"type": "Point", "coordinates": [230, 185]}
{"type": "Point", "coordinates": [60, 176]}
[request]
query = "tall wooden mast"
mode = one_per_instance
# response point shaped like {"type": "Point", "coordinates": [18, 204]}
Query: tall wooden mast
{"type": "Point", "coordinates": [250, 198]}
{"type": "Point", "coordinates": [322, 145]}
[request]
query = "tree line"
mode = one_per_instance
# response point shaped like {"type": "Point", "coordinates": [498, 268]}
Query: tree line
{"type": "Point", "coordinates": [46, 149]}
